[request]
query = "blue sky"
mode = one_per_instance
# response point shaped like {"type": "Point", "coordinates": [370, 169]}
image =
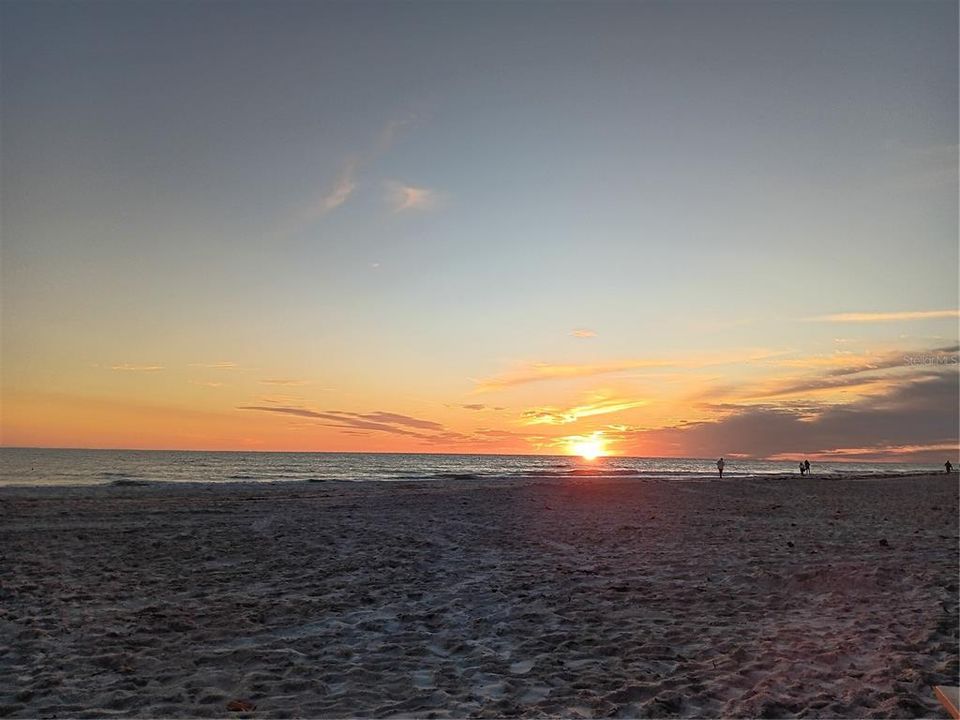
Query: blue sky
{"type": "Point", "coordinates": [405, 198]}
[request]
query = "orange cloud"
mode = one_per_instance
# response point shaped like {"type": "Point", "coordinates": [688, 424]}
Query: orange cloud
{"type": "Point", "coordinates": [342, 189]}
{"type": "Point", "coordinates": [379, 420]}
{"type": "Point", "coordinates": [541, 371]}
{"type": "Point", "coordinates": [915, 417]}
{"type": "Point", "coordinates": [583, 333]}
{"type": "Point", "coordinates": [552, 416]}
{"type": "Point", "coordinates": [538, 372]}
{"type": "Point", "coordinates": [407, 197]}
{"type": "Point", "coordinates": [868, 317]}
{"type": "Point", "coordinates": [129, 367]}
{"type": "Point", "coordinates": [346, 182]}
{"type": "Point", "coordinates": [840, 374]}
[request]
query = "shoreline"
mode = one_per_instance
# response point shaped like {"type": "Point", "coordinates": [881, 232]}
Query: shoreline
{"type": "Point", "coordinates": [578, 597]}
{"type": "Point", "coordinates": [465, 481]}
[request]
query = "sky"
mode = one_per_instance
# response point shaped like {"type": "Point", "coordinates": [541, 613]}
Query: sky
{"type": "Point", "coordinates": [661, 229]}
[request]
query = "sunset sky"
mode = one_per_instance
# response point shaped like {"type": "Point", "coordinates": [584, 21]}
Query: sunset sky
{"type": "Point", "coordinates": [679, 229]}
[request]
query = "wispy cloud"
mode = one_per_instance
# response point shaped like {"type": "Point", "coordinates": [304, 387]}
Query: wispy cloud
{"type": "Point", "coordinates": [818, 386]}
{"type": "Point", "coordinates": [380, 420]}
{"type": "Point", "coordinates": [280, 399]}
{"type": "Point", "coordinates": [346, 182]}
{"type": "Point", "coordinates": [390, 417]}
{"type": "Point", "coordinates": [402, 197]}
{"type": "Point", "coordinates": [284, 381]}
{"type": "Point", "coordinates": [391, 423]}
{"type": "Point", "coordinates": [392, 130]}
{"type": "Point", "coordinates": [873, 317]}
{"type": "Point", "coordinates": [539, 372]}
{"type": "Point", "coordinates": [583, 333]}
{"type": "Point", "coordinates": [325, 201]}
{"type": "Point", "coordinates": [476, 407]}
{"type": "Point", "coordinates": [846, 363]}
{"type": "Point", "coordinates": [543, 371]}
{"type": "Point", "coordinates": [865, 374]}
{"type": "Point", "coordinates": [946, 355]}
{"type": "Point", "coordinates": [207, 384]}
{"type": "Point", "coordinates": [342, 189]}
{"type": "Point", "coordinates": [918, 413]}
{"type": "Point", "coordinates": [301, 412]}
{"type": "Point", "coordinates": [131, 367]}
{"type": "Point", "coordinates": [225, 365]}
{"type": "Point", "coordinates": [554, 416]}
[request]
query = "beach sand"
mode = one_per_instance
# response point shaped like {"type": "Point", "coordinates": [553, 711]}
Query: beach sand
{"type": "Point", "coordinates": [578, 598]}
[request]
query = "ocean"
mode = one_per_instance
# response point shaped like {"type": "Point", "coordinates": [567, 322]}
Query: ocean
{"type": "Point", "coordinates": [31, 466]}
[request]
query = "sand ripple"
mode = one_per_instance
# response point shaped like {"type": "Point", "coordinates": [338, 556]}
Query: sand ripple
{"type": "Point", "coordinates": [580, 598]}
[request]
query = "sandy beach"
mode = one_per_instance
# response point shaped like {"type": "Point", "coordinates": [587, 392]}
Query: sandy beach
{"type": "Point", "coordinates": [574, 598]}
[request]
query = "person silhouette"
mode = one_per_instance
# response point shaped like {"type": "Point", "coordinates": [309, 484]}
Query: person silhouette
{"type": "Point", "coordinates": [949, 466]}
{"type": "Point", "coordinates": [720, 465]}
{"type": "Point", "coordinates": [806, 466]}
{"type": "Point", "coordinates": [803, 469]}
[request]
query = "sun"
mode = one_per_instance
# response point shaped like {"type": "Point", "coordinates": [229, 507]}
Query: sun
{"type": "Point", "coordinates": [589, 448]}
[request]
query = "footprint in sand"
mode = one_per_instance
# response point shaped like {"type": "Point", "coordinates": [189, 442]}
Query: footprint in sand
{"type": "Point", "coordinates": [423, 680]}
{"type": "Point", "coordinates": [522, 667]}
{"type": "Point", "coordinates": [489, 687]}
{"type": "Point", "coordinates": [534, 694]}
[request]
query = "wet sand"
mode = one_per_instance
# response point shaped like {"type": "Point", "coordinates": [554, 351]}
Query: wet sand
{"type": "Point", "coordinates": [574, 598]}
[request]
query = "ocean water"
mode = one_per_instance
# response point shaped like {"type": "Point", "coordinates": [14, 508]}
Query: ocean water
{"type": "Point", "coordinates": [30, 466]}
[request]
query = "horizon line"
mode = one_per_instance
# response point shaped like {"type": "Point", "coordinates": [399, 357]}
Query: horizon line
{"type": "Point", "coordinates": [729, 458]}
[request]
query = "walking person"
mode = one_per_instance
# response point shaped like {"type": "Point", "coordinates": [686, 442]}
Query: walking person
{"type": "Point", "coordinates": [949, 466]}
{"type": "Point", "coordinates": [806, 466]}
{"type": "Point", "coordinates": [720, 465]}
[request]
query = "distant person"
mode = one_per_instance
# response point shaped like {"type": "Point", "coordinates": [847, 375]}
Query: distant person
{"type": "Point", "coordinates": [720, 465]}
{"type": "Point", "coordinates": [949, 466]}
{"type": "Point", "coordinates": [806, 466]}
{"type": "Point", "coordinates": [803, 469]}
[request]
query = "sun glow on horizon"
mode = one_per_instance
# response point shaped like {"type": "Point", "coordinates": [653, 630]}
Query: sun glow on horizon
{"type": "Point", "coordinates": [590, 447]}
